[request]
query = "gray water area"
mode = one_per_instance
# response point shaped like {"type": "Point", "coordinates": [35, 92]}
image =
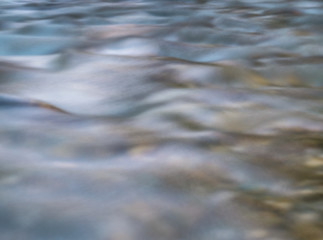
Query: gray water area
{"type": "Point", "coordinates": [161, 120]}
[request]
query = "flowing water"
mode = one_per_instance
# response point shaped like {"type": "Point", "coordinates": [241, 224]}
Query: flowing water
{"type": "Point", "coordinates": [161, 120]}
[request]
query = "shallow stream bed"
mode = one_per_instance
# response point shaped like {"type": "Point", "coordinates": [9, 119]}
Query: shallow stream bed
{"type": "Point", "coordinates": [161, 120]}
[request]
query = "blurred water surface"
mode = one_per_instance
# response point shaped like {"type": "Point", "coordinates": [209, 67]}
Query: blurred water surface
{"type": "Point", "coordinates": [170, 120]}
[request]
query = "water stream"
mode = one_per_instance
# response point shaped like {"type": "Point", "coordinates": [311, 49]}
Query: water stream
{"type": "Point", "coordinates": [161, 120]}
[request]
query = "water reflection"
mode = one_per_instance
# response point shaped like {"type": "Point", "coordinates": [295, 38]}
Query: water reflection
{"type": "Point", "coordinates": [161, 120]}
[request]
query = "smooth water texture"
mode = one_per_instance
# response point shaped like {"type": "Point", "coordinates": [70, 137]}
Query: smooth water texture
{"type": "Point", "coordinates": [161, 120]}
